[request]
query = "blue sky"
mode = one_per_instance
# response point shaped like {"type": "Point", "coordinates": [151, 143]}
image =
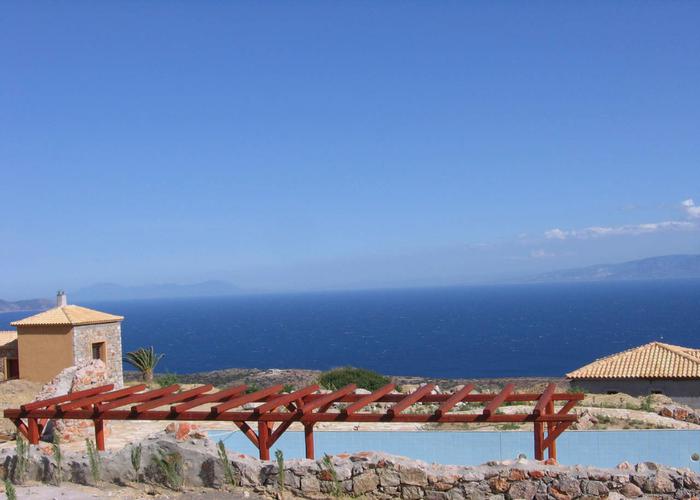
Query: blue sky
{"type": "Point", "coordinates": [307, 145]}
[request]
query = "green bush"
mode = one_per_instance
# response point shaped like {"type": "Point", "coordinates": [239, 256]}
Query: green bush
{"type": "Point", "coordinates": [364, 379]}
{"type": "Point", "coordinates": [167, 379]}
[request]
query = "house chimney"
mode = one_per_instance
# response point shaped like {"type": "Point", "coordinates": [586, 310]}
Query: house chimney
{"type": "Point", "coordinates": [61, 299]}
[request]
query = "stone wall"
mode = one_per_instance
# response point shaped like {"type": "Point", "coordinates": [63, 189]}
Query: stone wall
{"type": "Point", "coordinates": [109, 333]}
{"type": "Point", "coordinates": [370, 475]}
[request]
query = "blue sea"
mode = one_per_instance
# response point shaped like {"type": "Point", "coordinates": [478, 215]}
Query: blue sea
{"type": "Point", "coordinates": [469, 332]}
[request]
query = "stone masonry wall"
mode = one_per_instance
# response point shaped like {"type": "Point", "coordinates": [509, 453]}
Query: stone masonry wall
{"type": "Point", "coordinates": [367, 475]}
{"type": "Point", "coordinates": [109, 333]}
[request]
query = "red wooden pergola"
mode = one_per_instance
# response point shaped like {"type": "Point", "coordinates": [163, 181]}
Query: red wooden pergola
{"type": "Point", "coordinates": [274, 411]}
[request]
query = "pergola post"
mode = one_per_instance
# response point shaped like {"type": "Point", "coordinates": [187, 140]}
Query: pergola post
{"type": "Point", "coordinates": [309, 440]}
{"type": "Point", "coordinates": [552, 448]}
{"type": "Point", "coordinates": [539, 438]}
{"type": "Point", "coordinates": [33, 431]}
{"type": "Point", "coordinates": [263, 439]}
{"type": "Point", "coordinates": [99, 434]}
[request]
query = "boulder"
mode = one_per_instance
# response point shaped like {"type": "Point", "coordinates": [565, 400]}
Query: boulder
{"type": "Point", "coordinates": [72, 379]}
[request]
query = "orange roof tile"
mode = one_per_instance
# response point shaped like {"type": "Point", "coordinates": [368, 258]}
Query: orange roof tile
{"type": "Point", "coordinates": [7, 336]}
{"type": "Point", "coordinates": [653, 360]}
{"type": "Point", "coordinates": [68, 315]}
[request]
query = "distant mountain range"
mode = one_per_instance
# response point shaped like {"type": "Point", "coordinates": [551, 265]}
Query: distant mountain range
{"type": "Point", "coordinates": [664, 267]}
{"type": "Point", "coordinates": [26, 305]}
{"type": "Point", "coordinates": [113, 291]}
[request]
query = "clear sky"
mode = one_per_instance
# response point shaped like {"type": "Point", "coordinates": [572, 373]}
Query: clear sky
{"type": "Point", "coordinates": [307, 145]}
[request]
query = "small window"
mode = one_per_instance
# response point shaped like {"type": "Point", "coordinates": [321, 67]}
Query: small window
{"type": "Point", "coordinates": [98, 351]}
{"type": "Point", "coordinates": [657, 392]}
{"type": "Point", "coordinates": [613, 392]}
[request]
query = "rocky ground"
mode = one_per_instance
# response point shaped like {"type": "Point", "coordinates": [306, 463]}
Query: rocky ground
{"type": "Point", "coordinates": [299, 378]}
{"type": "Point", "coordinates": [132, 492]}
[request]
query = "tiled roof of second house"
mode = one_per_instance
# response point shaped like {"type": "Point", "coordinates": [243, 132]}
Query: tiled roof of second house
{"type": "Point", "coordinates": [68, 315]}
{"type": "Point", "coordinates": [653, 360]}
{"type": "Point", "coordinates": [7, 336]}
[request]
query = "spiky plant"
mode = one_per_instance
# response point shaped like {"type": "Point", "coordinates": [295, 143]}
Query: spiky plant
{"type": "Point", "coordinates": [170, 466]}
{"type": "Point", "coordinates": [136, 459]}
{"type": "Point", "coordinates": [58, 457]}
{"type": "Point", "coordinates": [21, 466]}
{"type": "Point", "coordinates": [95, 461]}
{"type": "Point", "coordinates": [144, 360]}
{"type": "Point", "coordinates": [10, 490]}
{"type": "Point", "coordinates": [279, 456]}
{"type": "Point", "coordinates": [336, 487]}
{"type": "Point", "coordinates": [226, 464]}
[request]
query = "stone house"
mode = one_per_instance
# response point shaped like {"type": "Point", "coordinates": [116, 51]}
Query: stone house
{"type": "Point", "coordinates": [654, 368]}
{"type": "Point", "coordinates": [9, 364]}
{"type": "Point", "coordinates": [67, 335]}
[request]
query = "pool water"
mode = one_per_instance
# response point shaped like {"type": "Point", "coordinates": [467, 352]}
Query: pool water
{"type": "Point", "coordinates": [599, 448]}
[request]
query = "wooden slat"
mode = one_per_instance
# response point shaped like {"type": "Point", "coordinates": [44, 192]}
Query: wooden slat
{"type": "Point", "coordinates": [248, 398]}
{"type": "Point", "coordinates": [136, 398]}
{"type": "Point", "coordinates": [327, 399]}
{"type": "Point", "coordinates": [172, 398]}
{"type": "Point", "coordinates": [67, 397]}
{"type": "Point", "coordinates": [284, 399]}
{"type": "Point", "coordinates": [544, 399]}
{"type": "Point", "coordinates": [498, 400]}
{"type": "Point", "coordinates": [410, 399]}
{"type": "Point", "coordinates": [456, 398]}
{"type": "Point", "coordinates": [217, 397]}
{"type": "Point", "coordinates": [100, 398]}
{"type": "Point", "coordinates": [368, 399]}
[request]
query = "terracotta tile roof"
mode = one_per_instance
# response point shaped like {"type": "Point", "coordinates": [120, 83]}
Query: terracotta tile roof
{"type": "Point", "coordinates": [653, 360]}
{"type": "Point", "coordinates": [68, 315]}
{"type": "Point", "coordinates": [7, 336]}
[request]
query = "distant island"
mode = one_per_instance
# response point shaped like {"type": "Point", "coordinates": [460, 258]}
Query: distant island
{"type": "Point", "coordinates": [113, 291]}
{"type": "Point", "coordinates": [663, 267]}
{"type": "Point", "coordinates": [25, 305]}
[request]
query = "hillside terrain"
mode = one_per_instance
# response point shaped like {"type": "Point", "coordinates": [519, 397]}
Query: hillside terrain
{"type": "Point", "coordinates": [663, 267]}
{"type": "Point", "coordinates": [25, 305]}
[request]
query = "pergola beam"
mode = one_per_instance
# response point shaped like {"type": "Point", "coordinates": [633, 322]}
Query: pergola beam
{"type": "Point", "coordinates": [410, 400]}
{"type": "Point", "coordinates": [67, 397]}
{"type": "Point", "coordinates": [248, 398]}
{"type": "Point", "coordinates": [99, 398]}
{"type": "Point", "coordinates": [216, 397]}
{"type": "Point", "coordinates": [172, 398]}
{"type": "Point", "coordinates": [136, 398]}
{"type": "Point", "coordinates": [498, 400]}
{"type": "Point", "coordinates": [368, 399]}
{"type": "Point", "coordinates": [284, 399]}
{"type": "Point", "coordinates": [456, 398]}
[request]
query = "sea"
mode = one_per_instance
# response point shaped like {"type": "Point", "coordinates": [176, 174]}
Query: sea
{"type": "Point", "coordinates": [456, 332]}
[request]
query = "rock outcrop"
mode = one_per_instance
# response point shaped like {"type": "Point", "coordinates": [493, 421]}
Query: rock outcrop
{"type": "Point", "coordinates": [71, 379]}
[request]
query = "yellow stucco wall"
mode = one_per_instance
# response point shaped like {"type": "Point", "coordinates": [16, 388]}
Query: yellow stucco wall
{"type": "Point", "coordinates": [44, 351]}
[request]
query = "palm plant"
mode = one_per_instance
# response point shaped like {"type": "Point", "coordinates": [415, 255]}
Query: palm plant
{"type": "Point", "coordinates": [144, 360]}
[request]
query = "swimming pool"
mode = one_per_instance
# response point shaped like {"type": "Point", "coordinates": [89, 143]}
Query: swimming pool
{"type": "Point", "coordinates": [599, 448]}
